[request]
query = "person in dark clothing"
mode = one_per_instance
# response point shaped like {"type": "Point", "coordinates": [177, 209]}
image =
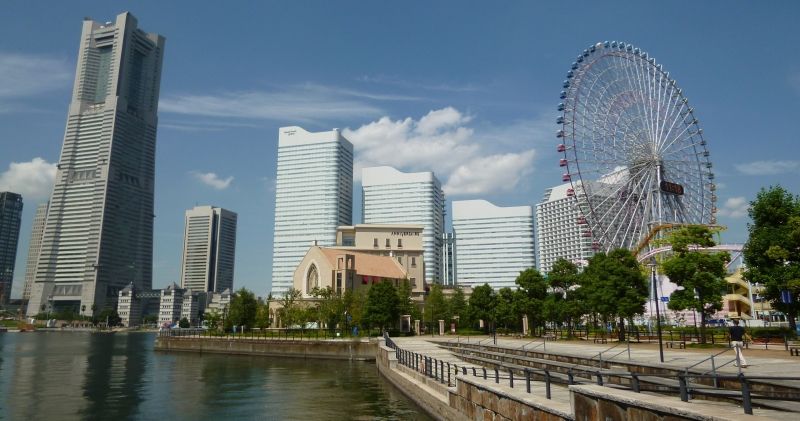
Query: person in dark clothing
{"type": "Point", "coordinates": [737, 333]}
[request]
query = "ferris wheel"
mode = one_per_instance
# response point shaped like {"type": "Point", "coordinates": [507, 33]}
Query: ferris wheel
{"type": "Point", "coordinates": [632, 148]}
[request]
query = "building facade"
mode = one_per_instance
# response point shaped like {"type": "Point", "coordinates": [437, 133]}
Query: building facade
{"type": "Point", "coordinates": [494, 244]}
{"type": "Point", "coordinates": [10, 219]}
{"type": "Point", "coordinates": [402, 242]}
{"type": "Point", "coordinates": [129, 307]}
{"type": "Point", "coordinates": [562, 232]}
{"type": "Point", "coordinates": [209, 249]}
{"type": "Point", "coordinates": [171, 305]}
{"type": "Point", "coordinates": [449, 273]}
{"type": "Point", "coordinates": [34, 248]}
{"type": "Point", "coordinates": [98, 237]}
{"type": "Point", "coordinates": [313, 196]}
{"type": "Point", "coordinates": [393, 197]}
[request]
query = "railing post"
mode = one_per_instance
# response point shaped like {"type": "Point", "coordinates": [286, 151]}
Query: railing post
{"type": "Point", "coordinates": [511, 378]}
{"type": "Point", "coordinates": [635, 382]}
{"type": "Point", "coordinates": [570, 377]}
{"type": "Point", "coordinates": [547, 384]}
{"type": "Point", "coordinates": [528, 380]}
{"type": "Point", "coordinates": [683, 387]}
{"type": "Point", "coordinates": [746, 403]}
{"type": "Point", "coordinates": [484, 373]}
{"type": "Point", "coordinates": [496, 375]}
{"type": "Point", "coordinates": [599, 378]}
{"type": "Point", "coordinates": [714, 372]}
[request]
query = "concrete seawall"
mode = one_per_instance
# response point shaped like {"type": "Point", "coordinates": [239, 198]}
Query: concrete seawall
{"type": "Point", "coordinates": [329, 349]}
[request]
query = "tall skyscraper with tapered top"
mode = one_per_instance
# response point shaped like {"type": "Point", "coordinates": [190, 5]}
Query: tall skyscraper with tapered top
{"type": "Point", "coordinates": [10, 218]}
{"type": "Point", "coordinates": [313, 196]}
{"type": "Point", "coordinates": [98, 236]}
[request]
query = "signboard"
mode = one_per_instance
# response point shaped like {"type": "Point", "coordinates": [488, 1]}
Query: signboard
{"type": "Point", "coordinates": [664, 299]}
{"type": "Point", "coordinates": [672, 188]}
{"type": "Point", "coordinates": [786, 296]}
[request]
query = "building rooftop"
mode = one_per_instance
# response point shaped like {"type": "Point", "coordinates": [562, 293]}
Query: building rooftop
{"type": "Point", "coordinates": [367, 264]}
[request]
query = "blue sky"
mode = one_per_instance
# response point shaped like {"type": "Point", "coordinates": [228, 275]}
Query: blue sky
{"type": "Point", "coordinates": [474, 84]}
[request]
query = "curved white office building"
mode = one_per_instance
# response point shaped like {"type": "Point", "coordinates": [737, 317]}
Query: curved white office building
{"type": "Point", "coordinates": [394, 197]}
{"type": "Point", "coordinates": [313, 196]}
{"type": "Point", "coordinates": [494, 243]}
{"type": "Point", "coordinates": [560, 229]}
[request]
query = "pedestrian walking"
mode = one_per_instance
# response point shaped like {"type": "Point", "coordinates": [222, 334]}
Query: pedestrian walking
{"type": "Point", "coordinates": [737, 334]}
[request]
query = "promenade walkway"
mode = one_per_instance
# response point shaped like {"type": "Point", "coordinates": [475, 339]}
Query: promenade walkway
{"type": "Point", "coordinates": [776, 362]}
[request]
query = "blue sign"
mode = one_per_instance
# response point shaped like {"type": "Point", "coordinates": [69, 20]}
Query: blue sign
{"type": "Point", "coordinates": [786, 296]}
{"type": "Point", "coordinates": [664, 299]}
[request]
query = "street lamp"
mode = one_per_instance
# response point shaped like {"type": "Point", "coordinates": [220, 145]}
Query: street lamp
{"type": "Point", "coordinates": [658, 316]}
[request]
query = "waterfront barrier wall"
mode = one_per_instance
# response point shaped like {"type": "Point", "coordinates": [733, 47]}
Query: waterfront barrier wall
{"type": "Point", "coordinates": [340, 349]}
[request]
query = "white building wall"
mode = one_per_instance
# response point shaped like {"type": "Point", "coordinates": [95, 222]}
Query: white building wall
{"type": "Point", "coordinates": [494, 244]}
{"type": "Point", "coordinates": [560, 231]}
{"type": "Point", "coordinates": [313, 196]}
{"type": "Point", "coordinates": [394, 197]}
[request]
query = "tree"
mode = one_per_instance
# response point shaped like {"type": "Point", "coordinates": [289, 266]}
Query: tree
{"type": "Point", "coordinates": [481, 304]}
{"type": "Point", "coordinates": [109, 315]}
{"type": "Point", "coordinates": [700, 276]}
{"type": "Point", "coordinates": [615, 286]}
{"type": "Point", "coordinates": [262, 316]}
{"type": "Point", "coordinates": [290, 312]}
{"type": "Point", "coordinates": [330, 307]}
{"type": "Point", "coordinates": [183, 323]}
{"type": "Point", "coordinates": [564, 303]}
{"type": "Point", "coordinates": [532, 293]}
{"type": "Point", "coordinates": [506, 308]}
{"type": "Point", "coordinates": [457, 306]}
{"type": "Point", "coordinates": [381, 307]}
{"type": "Point", "coordinates": [436, 305]}
{"type": "Point", "coordinates": [243, 308]}
{"type": "Point", "coordinates": [213, 319]}
{"type": "Point", "coordinates": [772, 251]}
{"type": "Point", "coordinates": [404, 303]}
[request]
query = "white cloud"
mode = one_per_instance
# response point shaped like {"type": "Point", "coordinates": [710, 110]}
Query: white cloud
{"type": "Point", "coordinates": [33, 179]}
{"type": "Point", "coordinates": [768, 167]}
{"type": "Point", "coordinates": [306, 103]}
{"type": "Point", "coordinates": [440, 141]}
{"type": "Point", "coordinates": [486, 174]}
{"type": "Point", "coordinates": [213, 180]}
{"type": "Point", "coordinates": [25, 75]}
{"type": "Point", "coordinates": [734, 207]}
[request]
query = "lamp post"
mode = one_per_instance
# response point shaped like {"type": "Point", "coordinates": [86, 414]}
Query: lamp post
{"type": "Point", "coordinates": [658, 316]}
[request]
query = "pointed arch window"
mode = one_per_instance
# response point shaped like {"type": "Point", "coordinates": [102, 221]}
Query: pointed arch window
{"type": "Point", "coordinates": [312, 278]}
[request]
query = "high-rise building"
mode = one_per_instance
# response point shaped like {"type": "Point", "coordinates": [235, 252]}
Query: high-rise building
{"type": "Point", "coordinates": [394, 197]}
{"type": "Point", "coordinates": [209, 249]}
{"type": "Point", "coordinates": [10, 218]}
{"type": "Point", "coordinates": [34, 247]}
{"type": "Point", "coordinates": [562, 231]}
{"type": "Point", "coordinates": [313, 196]}
{"type": "Point", "coordinates": [449, 273]}
{"type": "Point", "coordinates": [98, 237]}
{"type": "Point", "coordinates": [494, 243]}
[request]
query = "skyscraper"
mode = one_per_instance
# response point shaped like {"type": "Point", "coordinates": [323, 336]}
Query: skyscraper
{"type": "Point", "coordinates": [10, 218]}
{"type": "Point", "coordinates": [561, 230]}
{"type": "Point", "coordinates": [34, 248]}
{"type": "Point", "coordinates": [313, 196]}
{"type": "Point", "coordinates": [209, 249]}
{"type": "Point", "coordinates": [98, 237]}
{"type": "Point", "coordinates": [494, 243]}
{"type": "Point", "coordinates": [449, 273]}
{"type": "Point", "coordinates": [394, 197]}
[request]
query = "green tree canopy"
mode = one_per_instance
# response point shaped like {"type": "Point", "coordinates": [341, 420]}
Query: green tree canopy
{"type": "Point", "coordinates": [457, 306]}
{"type": "Point", "coordinates": [531, 296]}
{"type": "Point", "coordinates": [330, 307]}
{"type": "Point", "coordinates": [381, 308]}
{"type": "Point", "coordinates": [481, 304]}
{"type": "Point", "coordinates": [183, 323]}
{"type": "Point", "coordinates": [699, 275]}
{"type": "Point", "coordinates": [564, 303]}
{"type": "Point", "coordinates": [213, 319]}
{"type": "Point", "coordinates": [436, 305]}
{"type": "Point", "coordinates": [772, 251]}
{"type": "Point", "coordinates": [243, 308]}
{"type": "Point", "coordinates": [615, 286]}
{"type": "Point", "coordinates": [291, 311]}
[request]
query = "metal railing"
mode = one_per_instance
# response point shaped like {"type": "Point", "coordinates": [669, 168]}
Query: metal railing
{"type": "Point", "coordinates": [261, 334]}
{"type": "Point", "coordinates": [443, 372]}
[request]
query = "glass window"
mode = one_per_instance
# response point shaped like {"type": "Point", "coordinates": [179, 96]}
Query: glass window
{"type": "Point", "coordinates": [388, 243]}
{"type": "Point", "coordinates": [413, 262]}
{"type": "Point", "coordinates": [399, 243]}
{"type": "Point", "coordinates": [375, 243]}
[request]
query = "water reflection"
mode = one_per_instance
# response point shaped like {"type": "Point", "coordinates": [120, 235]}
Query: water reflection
{"type": "Point", "coordinates": [118, 376]}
